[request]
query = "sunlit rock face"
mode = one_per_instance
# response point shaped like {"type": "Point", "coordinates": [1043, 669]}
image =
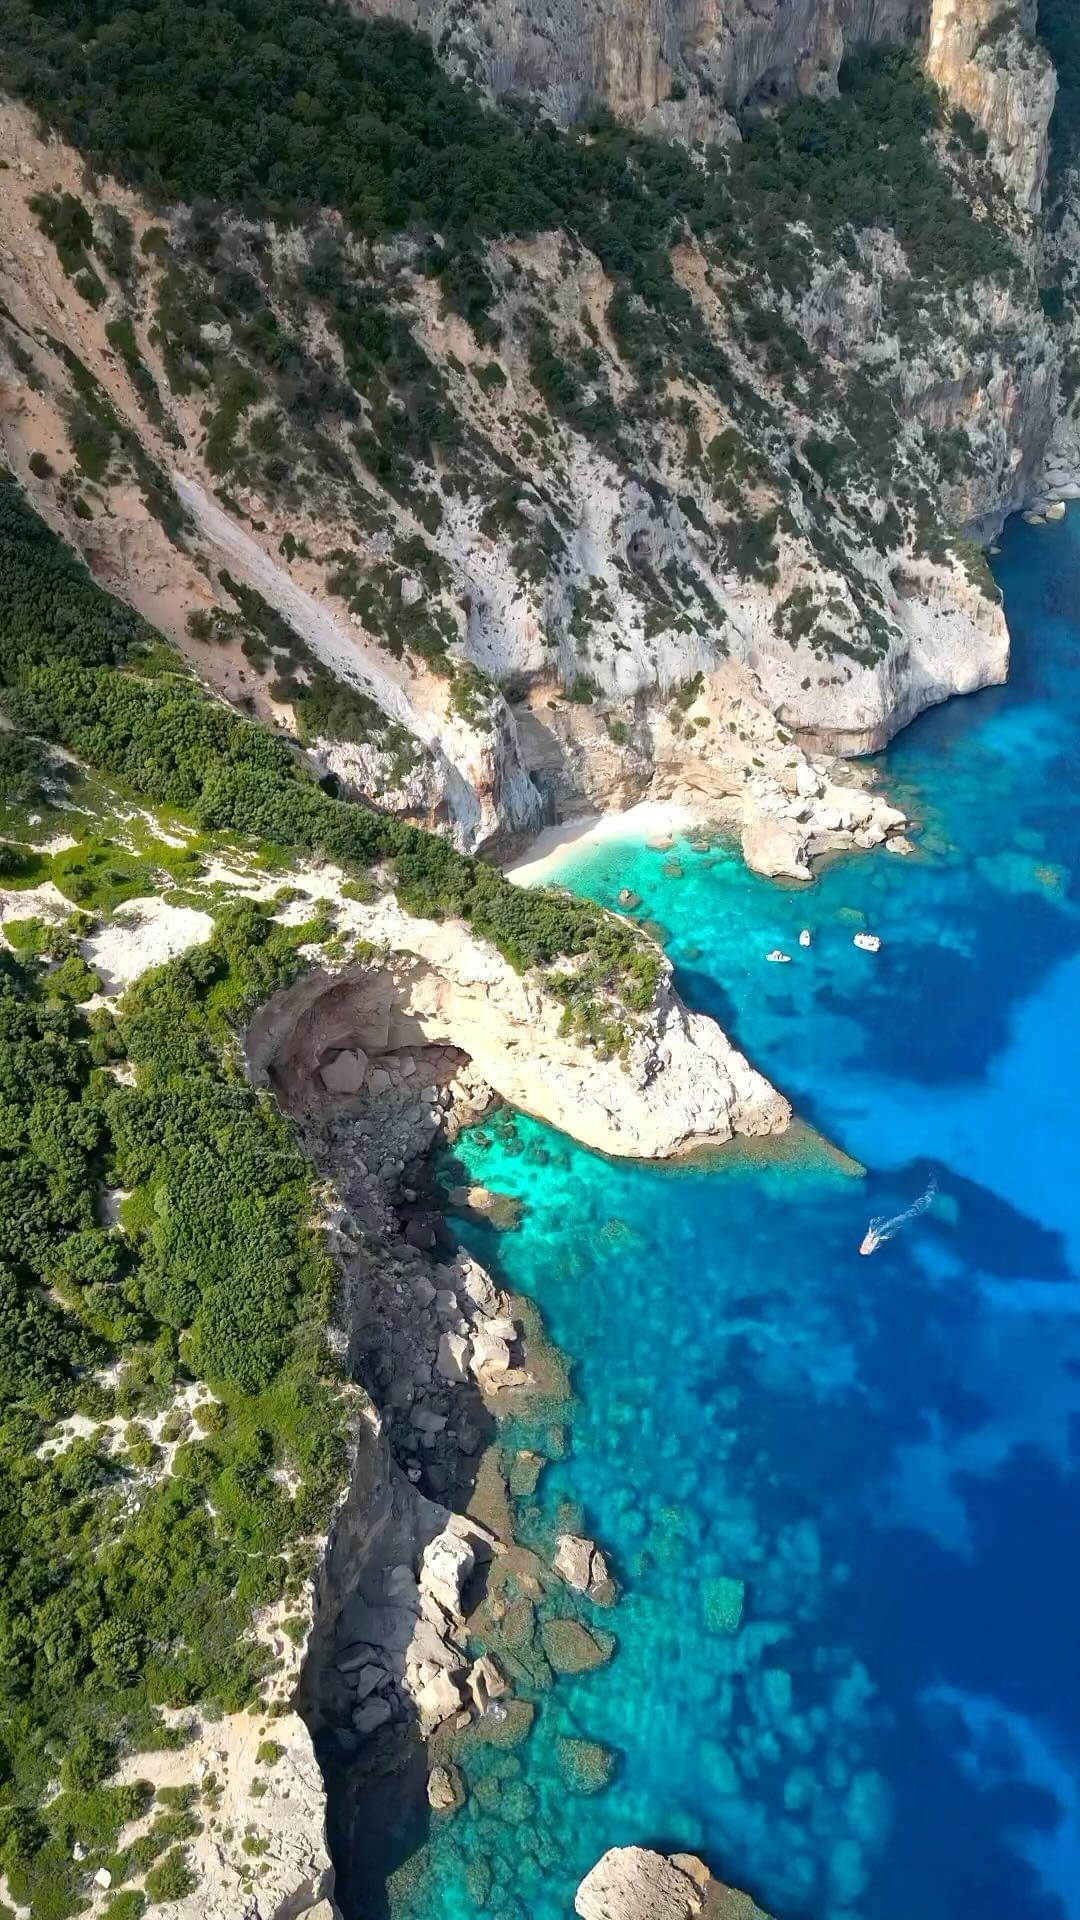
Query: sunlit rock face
{"type": "Point", "coordinates": [680, 67]}
{"type": "Point", "coordinates": [987, 59]}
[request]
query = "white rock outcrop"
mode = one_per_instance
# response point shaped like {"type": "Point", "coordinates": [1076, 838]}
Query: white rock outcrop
{"type": "Point", "coordinates": [631, 1883]}
{"type": "Point", "coordinates": [680, 1082]}
{"type": "Point", "coordinates": [447, 1564]}
{"type": "Point", "coordinates": [776, 848]}
{"type": "Point", "coordinates": [581, 1564]}
{"type": "Point", "coordinates": [288, 1817]}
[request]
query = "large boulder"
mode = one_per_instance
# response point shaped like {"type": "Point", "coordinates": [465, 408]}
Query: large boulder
{"type": "Point", "coordinates": [437, 1700]}
{"type": "Point", "coordinates": [630, 1883]}
{"type": "Point", "coordinates": [345, 1071]}
{"type": "Point", "coordinates": [776, 848]}
{"type": "Point", "coordinates": [582, 1565]}
{"type": "Point", "coordinates": [447, 1564]}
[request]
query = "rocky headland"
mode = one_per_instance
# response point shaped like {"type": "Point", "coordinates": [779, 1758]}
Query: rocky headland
{"type": "Point", "coordinates": [493, 535]}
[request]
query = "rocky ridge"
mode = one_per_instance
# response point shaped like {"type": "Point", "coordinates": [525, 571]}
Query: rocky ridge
{"type": "Point", "coordinates": [679, 1082]}
{"type": "Point", "coordinates": [610, 568]}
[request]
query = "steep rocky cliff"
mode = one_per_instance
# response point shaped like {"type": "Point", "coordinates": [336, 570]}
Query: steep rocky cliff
{"type": "Point", "coordinates": [683, 68]}
{"type": "Point", "coordinates": [627, 420]}
{"type": "Point", "coordinates": [985, 55]}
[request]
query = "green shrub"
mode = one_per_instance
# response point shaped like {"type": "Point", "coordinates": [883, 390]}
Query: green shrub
{"type": "Point", "coordinates": [171, 1879]}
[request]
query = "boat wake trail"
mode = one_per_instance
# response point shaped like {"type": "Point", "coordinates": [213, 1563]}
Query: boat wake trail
{"type": "Point", "coordinates": [881, 1230]}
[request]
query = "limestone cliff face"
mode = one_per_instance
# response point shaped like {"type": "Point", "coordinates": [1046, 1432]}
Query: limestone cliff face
{"type": "Point", "coordinates": [620, 549]}
{"type": "Point", "coordinates": [681, 67]}
{"type": "Point", "coordinates": [985, 55]}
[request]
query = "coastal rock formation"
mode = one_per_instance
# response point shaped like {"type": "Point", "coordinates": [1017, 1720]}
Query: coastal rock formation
{"type": "Point", "coordinates": [679, 1083]}
{"type": "Point", "coordinates": [630, 1883]}
{"type": "Point", "coordinates": [280, 1801]}
{"type": "Point", "coordinates": [582, 1565]}
{"type": "Point", "coordinates": [985, 55]}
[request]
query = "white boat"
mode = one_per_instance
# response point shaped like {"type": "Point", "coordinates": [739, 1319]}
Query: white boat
{"type": "Point", "coordinates": [781, 959]}
{"type": "Point", "coordinates": [867, 942]}
{"type": "Point", "coordinates": [804, 937]}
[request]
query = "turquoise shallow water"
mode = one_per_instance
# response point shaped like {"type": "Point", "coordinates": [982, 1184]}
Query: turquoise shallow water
{"type": "Point", "coordinates": [884, 1453]}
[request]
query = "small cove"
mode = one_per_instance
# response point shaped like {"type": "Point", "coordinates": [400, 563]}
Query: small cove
{"type": "Point", "coordinates": [840, 1495]}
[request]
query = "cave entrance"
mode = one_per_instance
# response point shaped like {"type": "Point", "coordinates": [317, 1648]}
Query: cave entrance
{"type": "Point", "coordinates": [330, 1038]}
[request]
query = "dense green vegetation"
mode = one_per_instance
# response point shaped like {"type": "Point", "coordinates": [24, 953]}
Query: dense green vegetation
{"type": "Point", "coordinates": [113, 1606]}
{"type": "Point", "coordinates": [110, 1608]}
{"type": "Point", "coordinates": [287, 106]}
{"type": "Point", "coordinates": [865, 160]}
{"type": "Point", "coordinates": [61, 637]}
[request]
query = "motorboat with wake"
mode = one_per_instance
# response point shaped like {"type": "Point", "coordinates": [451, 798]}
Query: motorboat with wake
{"type": "Point", "coordinates": [881, 1230]}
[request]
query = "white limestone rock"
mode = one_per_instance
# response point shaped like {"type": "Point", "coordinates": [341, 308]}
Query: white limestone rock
{"type": "Point", "coordinates": [679, 1082]}
{"type": "Point", "coordinates": [445, 1569]}
{"type": "Point", "coordinates": [631, 1883]}
{"type": "Point", "coordinates": [776, 848]}
{"type": "Point", "coordinates": [580, 1563]}
{"type": "Point", "coordinates": [455, 1353]}
{"type": "Point", "coordinates": [437, 1700]}
{"type": "Point", "coordinates": [345, 1073]}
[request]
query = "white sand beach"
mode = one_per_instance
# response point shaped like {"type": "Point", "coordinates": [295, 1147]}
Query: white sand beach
{"type": "Point", "coordinates": [648, 820]}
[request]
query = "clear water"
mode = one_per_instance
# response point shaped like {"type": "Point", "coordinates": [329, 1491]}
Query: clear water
{"type": "Point", "coordinates": [884, 1451]}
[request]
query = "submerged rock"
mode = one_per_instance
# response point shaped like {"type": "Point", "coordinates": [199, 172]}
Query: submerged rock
{"type": "Point", "coordinates": [525, 1470]}
{"type": "Point", "coordinates": [585, 1765]}
{"type": "Point", "coordinates": [722, 1604]}
{"type": "Point", "coordinates": [505, 1724]}
{"type": "Point", "coordinates": [445, 1789]}
{"type": "Point", "coordinates": [501, 1210]}
{"type": "Point", "coordinates": [571, 1648]}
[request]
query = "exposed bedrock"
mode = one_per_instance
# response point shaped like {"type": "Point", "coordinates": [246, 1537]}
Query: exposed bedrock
{"type": "Point", "coordinates": [679, 1083]}
{"type": "Point", "coordinates": [679, 67]}
{"type": "Point", "coordinates": [985, 55]}
{"type": "Point", "coordinates": [630, 1883]}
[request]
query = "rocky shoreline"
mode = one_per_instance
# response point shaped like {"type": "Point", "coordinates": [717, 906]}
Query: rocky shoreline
{"type": "Point", "coordinates": [434, 1628]}
{"type": "Point", "coordinates": [423, 1574]}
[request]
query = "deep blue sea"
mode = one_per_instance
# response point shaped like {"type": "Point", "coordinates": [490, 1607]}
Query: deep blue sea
{"type": "Point", "coordinates": [879, 1458]}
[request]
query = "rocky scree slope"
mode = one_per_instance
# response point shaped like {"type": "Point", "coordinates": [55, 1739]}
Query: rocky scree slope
{"type": "Point", "coordinates": [537, 422]}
